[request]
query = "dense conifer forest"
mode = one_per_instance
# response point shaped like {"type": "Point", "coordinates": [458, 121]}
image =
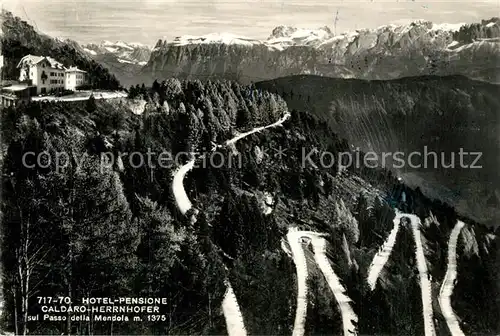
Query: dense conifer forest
{"type": "Point", "coordinates": [114, 230]}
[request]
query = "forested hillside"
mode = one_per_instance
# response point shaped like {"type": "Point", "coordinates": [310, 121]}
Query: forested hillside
{"type": "Point", "coordinates": [19, 39]}
{"type": "Point", "coordinates": [108, 230]}
{"type": "Point", "coordinates": [415, 114]}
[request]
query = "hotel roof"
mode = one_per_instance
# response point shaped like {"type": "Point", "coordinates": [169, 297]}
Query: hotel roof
{"type": "Point", "coordinates": [33, 59]}
{"type": "Point", "coordinates": [75, 69]}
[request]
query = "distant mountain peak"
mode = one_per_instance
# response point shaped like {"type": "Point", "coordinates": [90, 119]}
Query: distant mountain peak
{"type": "Point", "coordinates": [399, 49]}
{"type": "Point", "coordinates": [214, 38]}
{"type": "Point", "coordinates": [124, 52]}
{"type": "Point", "coordinates": [285, 36]}
{"type": "Point", "coordinates": [282, 31]}
{"type": "Point", "coordinates": [289, 31]}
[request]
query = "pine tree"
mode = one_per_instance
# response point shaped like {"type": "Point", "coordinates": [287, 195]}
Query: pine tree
{"type": "Point", "coordinates": [91, 104]}
{"type": "Point", "coordinates": [345, 222]}
{"type": "Point", "coordinates": [156, 86]}
{"type": "Point", "coordinates": [159, 245]}
{"type": "Point", "coordinates": [243, 116]}
{"type": "Point", "coordinates": [132, 92]}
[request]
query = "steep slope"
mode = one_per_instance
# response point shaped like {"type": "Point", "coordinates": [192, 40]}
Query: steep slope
{"type": "Point", "coordinates": [383, 254]}
{"type": "Point", "coordinates": [124, 60]}
{"type": "Point", "coordinates": [132, 53]}
{"type": "Point", "coordinates": [294, 240]}
{"type": "Point", "coordinates": [125, 234]}
{"type": "Point", "coordinates": [349, 318]}
{"type": "Point", "coordinates": [19, 39]}
{"type": "Point", "coordinates": [418, 48]}
{"type": "Point", "coordinates": [423, 115]}
{"type": "Point", "coordinates": [425, 283]}
{"type": "Point", "coordinates": [232, 313]}
{"type": "Point", "coordinates": [449, 282]}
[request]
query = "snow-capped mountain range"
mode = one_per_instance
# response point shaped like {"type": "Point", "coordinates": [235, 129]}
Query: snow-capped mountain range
{"type": "Point", "coordinates": [130, 53]}
{"type": "Point", "coordinates": [391, 51]}
{"type": "Point", "coordinates": [283, 37]}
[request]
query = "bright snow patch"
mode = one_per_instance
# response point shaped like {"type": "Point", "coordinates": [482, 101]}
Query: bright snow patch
{"type": "Point", "coordinates": [92, 52]}
{"type": "Point", "coordinates": [301, 37]}
{"type": "Point", "coordinates": [214, 38]}
{"type": "Point", "coordinates": [125, 61]}
{"type": "Point", "coordinates": [138, 45]}
{"type": "Point", "coordinates": [122, 44]}
{"type": "Point", "coordinates": [111, 50]}
{"type": "Point", "coordinates": [447, 26]}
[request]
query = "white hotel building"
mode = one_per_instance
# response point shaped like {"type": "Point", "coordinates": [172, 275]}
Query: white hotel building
{"type": "Point", "coordinates": [47, 74]}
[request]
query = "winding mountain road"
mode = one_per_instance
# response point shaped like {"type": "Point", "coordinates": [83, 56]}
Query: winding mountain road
{"type": "Point", "coordinates": [232, 313]}
{"type": "Point", "coordinates": [449, 283]}
{"type": "Point", "coordinates": [294, 237]}
{"type": "Point", "coordinates": [425, 284]}
{"type": "Point", "coordinates": [294, 240]}
{"type": "Point", "coordinates": [383, 255]}
{"type": "Point", "coordinates": [234, 319]}
{"type": "Point", "coordinates": [349, 318]}
{"type": "Point", "coordinates": [181, 197]}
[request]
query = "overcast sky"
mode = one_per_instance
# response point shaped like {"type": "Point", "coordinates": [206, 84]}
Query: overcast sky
{"type": "Point", "coordinates": [148, 20]}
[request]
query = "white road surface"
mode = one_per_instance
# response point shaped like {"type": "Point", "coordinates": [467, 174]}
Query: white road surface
{"type": "Point", "coordinates": [349, 318]}
{"type": "Point", "coordinates": [82, 96]}
{"type": "Point", "coordinates": [449, 283]}
{"type": "Point", "coordinates": [183, 202]}
{"type": "Point", "coordinates": [232, 313]}
{"type": "Point", "coordinates": [425, 284]}
{"type": "Point", "coordinates": [383, 255]}
{"type": "Point", "coordinates": [348, 315]}
{"type": "Point", "coordinates": [234, 320]}
{"type": "Point", "coordinates": [299, 259]}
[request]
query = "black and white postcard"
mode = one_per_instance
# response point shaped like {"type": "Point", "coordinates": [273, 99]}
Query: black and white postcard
{"type": "Point", "coordinates": [250, 167]}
